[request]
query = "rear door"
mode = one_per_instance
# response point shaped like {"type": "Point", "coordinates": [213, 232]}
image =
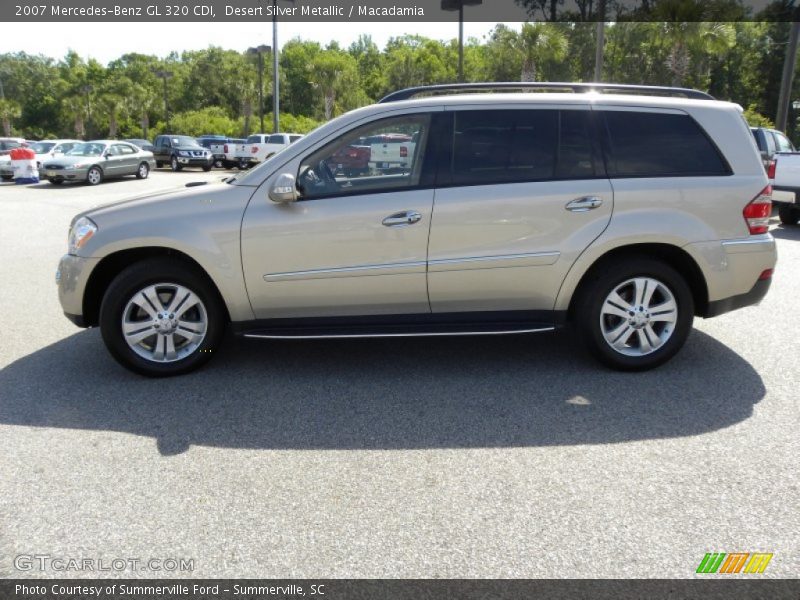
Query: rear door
{"type": "Point", "coordinates": [523, 195]}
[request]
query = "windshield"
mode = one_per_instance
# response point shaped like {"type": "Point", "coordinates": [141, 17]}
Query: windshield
{"type": "Point", "coordinates": [42, 147]}
{"type": "Point", "coordinates": [87, 149]}
{"type": "Point", "coordinates": [184, 140]}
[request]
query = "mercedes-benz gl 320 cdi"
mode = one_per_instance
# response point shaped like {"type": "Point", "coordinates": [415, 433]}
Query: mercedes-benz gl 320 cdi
{"type": "Point", "coordinates": [622, 211]}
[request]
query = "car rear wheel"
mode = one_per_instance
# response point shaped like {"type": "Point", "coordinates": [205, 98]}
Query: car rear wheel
{"type": "Point", "coordinates": [174, 164]}
{"type": "Point", "coordinates": [634, 314]}
{"type": "Point", "coordinates": [143, 171]}
{"type": "Point", "coordinates": [789, 215]}
{"type": "Point", "coordinates": [207, 167]}
{"type": "Point", "coordinates": [162, 317]}
{"type": "Point", "coordinates": [94, 176]}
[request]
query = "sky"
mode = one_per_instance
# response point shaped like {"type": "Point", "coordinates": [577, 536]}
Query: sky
{"type": "Point", "coordinates": [108, 41]}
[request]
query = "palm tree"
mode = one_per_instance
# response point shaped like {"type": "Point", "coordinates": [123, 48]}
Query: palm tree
{"type": "Point", "coordinates": [687, 38]}
{"type": "Point", "coordinates": [538, 43]}
{"type": "Point", "coordinates": [9, 110]}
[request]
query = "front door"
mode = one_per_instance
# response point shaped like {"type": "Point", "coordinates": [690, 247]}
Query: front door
{"type": "Point", "coordinates": [351, 245]}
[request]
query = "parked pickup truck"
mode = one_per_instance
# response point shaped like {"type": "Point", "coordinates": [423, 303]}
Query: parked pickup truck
{"type": "Point", "coordinates": [784, 173]}
{"type": "Point", "coordinates": [395, 151]}
{"type": "Point", "coordinates": [260, 146]}
{"type": "Point", "coordinates": [222, 148]}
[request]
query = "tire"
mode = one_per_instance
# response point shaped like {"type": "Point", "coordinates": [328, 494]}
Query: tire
{"type": "Point", "coordinates": [643, 340]}
{"type": "Point", "coordinates": [142, 171]}
{"type": "Point", "coordinates": [789, 215]}
{"type": "Point", "coordinates": [56, 181]}
{"type": "Point", "coordinates": [207, 168]}
{"type": "Point", "coordinates": [8, 177]}
{"type": "Point", "coordinates": [203, 323]}
{"type": "Point", "coordinates": [94, 176]}
{"type": "Point", "coordinates": [159, 164]}
{"type": "Point", "coordinates": [228, 164]}
{"type": "Point", "coordinates": [174, 164]}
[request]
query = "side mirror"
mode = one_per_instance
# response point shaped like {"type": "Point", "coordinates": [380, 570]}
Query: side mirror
{"type": "Point", "coordinates": [284, 189]}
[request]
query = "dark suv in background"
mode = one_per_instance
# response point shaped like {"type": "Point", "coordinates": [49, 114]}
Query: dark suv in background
{"type": "Point", "coordinates": [180, 151]}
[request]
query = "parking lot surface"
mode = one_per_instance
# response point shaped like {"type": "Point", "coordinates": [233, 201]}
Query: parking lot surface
{"type": "Point", "coordinates": [467, 457]}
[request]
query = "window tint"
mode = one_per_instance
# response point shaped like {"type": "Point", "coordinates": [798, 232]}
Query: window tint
{"type": "Point", "coordinates": [254, 139]}
{"type": "Point", "coordinates": [294, 138]}
{"type": "Point", "coordinates": [783, 144]}
{"type": "Point", "coordinates": [659, 145]}
{"type": "Point", "coordinates": [374, 158]}
{"type": "Point", "coordinates": [521, 145]}
{"type": "Point", "coordinates": [275, 139]}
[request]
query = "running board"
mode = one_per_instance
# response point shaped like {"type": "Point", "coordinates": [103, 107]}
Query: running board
{"type": "Point", "coordinates": [406, 330]}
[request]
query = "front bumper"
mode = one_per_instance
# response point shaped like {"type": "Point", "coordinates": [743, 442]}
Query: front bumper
{"type": "Point", "coordinates": [72, 277]}
{"type": "Point", "coordinates": [195, 161]}
{"type": "Point", "coordinates": [64, 174]}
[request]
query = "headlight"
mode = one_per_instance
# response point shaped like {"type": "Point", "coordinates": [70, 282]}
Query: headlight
{"type": "Point", "coordinates": [80, 233]}
{"type": "Point", "coordinates": [183, 153]}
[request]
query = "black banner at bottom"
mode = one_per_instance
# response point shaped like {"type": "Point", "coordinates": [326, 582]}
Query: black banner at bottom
{"type": "Point", "coordinates": [397, 589]}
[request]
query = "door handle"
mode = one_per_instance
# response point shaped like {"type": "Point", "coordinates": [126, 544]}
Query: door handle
{"type": "Point", "coordinates": [407, 217]}
{"type": "Point", "coordinates": [583, 204]}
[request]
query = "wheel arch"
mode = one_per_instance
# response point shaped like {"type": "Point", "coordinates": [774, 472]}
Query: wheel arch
{"type": "Point", "coordinates": [113, 264]}
{"type": "Point", "coordinates": [676, 257]}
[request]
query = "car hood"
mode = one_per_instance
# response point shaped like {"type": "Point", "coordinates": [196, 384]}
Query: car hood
{"type": "Point", "coordinates": [68, 161]}
{"type": "Point", "coordinates": [188, 148]}
{"type": "Point", "coordinates": [147, 201]}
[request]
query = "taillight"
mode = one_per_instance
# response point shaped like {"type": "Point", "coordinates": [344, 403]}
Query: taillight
{"type": "Point", "coordinates": [756, 213]}
{"type": "Point", "coordinates": [225, 148]}
{"type": "Point", "coordinates": [766, 274]}
{"type": "Point", "coordinates": [254, 149]}
{"type": "Point", "coordinates": [771, 169]}
{"type": "Point", "coordinates": [403, 152]}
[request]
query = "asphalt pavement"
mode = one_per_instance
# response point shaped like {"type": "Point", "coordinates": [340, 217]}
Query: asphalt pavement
{"type": "Point", "coordinates": [467, 457]}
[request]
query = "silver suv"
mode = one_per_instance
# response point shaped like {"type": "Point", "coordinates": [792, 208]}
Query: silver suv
{"type": "Point", "coordinates": [623, 211]}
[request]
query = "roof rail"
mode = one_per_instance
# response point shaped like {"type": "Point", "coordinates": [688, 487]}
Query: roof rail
{"type": "Point", "coordinates": [506, 86]}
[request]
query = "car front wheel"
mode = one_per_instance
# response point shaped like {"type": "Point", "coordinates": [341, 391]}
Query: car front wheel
{"type": "Point", "coordinates": [94, 176]}
{"type": "Point", "coordinates": [634, 314]}
{"type": "Point", "coordinates": [174, 164]}
{"type": "Point", "coordinates": [161, 317]}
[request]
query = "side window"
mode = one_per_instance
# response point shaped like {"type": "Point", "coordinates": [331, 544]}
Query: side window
{"type": "Point", "coordinates": [770, 141]}
{"type": "Point", "coordinates": [125, 149]}
{"type": "Point", "coordinates": [294, 138]}
{"type": "Point", "coordinates": [253, 139]}
{"type": "Point", "coordinates": [650, 144]}
{"type": "Point", "coordinates": [506, 146]}
{"type": "Point", "coordinates": [275, 139]}
{"type": "Point", "coordinates": [353, 165]}
{"type": "Point", "coordinates": [783, 143]}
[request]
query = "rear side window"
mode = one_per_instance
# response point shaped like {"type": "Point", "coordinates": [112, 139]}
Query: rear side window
{"type": "Point", "coordinates": [521, 145]}
{"type": "Point", "coordinates": [645, 144]}
{"type": "Point", "coordinates": [275, 139]}
{"type": "Point", "coordinates": [784, 145]}
{"type": "Point", "coordinates": [254, 139]}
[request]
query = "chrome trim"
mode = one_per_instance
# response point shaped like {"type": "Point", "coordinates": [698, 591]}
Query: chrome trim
{"type": "Point", "coordinates": [530, 259]}
{"type": "Point", "coordinates": [389, 335]}
{"type": "Point", "coordinates": [342, 271]}
{"type": "Point", "coordinates": [765, 240]}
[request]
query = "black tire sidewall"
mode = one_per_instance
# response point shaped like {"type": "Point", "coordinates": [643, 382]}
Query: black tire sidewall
{"type": "Point", "coordinates": [149, 272]}
{"type": "Point", "coordinates": [174, 164]}
{"type": "Point", "coordinates": [789, 215]}
{"type": "Point", "coordinates": [595, 293]}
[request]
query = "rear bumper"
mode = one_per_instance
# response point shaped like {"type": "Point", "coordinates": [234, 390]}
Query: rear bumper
{"type": "Point", "coordinates": [754, 296]}
{"type": "Point", "coordinates": [784, 195]}
{"type": "Point", "coordinates": [732, 271]}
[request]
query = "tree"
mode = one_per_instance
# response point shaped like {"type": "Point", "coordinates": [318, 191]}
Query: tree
{"type": "Point", "coordinates": [331, 73]}
{"type": "Point", "coordinates": [537, 43]}
{"type": "Point", "coordinates": [9, 111]}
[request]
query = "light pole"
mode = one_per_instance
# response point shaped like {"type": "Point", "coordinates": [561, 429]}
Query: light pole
{"type": "Point", "coordinates": [164, 75]}
{"type": "Point", "coordinates": [260, 51]}
{"type": "Point", "coordinates": [453, 5]}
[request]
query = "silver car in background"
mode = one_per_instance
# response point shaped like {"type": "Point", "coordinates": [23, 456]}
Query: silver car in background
{"type": "Point", "coordinates": [95, 161]}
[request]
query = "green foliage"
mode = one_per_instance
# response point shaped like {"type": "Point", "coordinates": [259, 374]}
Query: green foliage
{"type": "Point", "coordinates": [756, 119]}
{"type": "Point", "coordinates": [218, 91]}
